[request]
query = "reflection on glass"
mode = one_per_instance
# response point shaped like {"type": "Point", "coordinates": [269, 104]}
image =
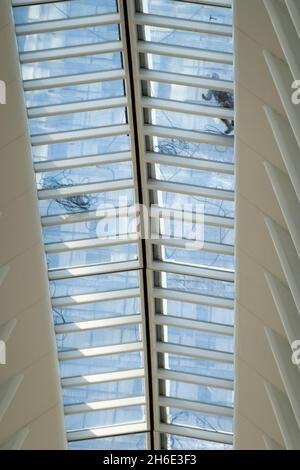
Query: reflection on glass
{"type": "Point", "coordinates": [198, 285]}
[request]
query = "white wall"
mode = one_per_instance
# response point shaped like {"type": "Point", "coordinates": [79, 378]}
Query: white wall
{"type": "Point", "coordinates": [30, 397]}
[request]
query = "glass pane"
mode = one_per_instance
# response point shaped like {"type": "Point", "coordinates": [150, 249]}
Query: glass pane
{"type": "Point", "coordinates": [198, 339]}
{"type": "Point", "coordinates": [197, 258]}
{"type": "Point", "coordinates": [198, 312]}
{"type": "Point", "coordinates": [90, 284]}
{"type": "Point", "coordinates": [212, 234]}
{"type": "Point", "coordinates": [190, 67]}
{"type": "Point", "coordinates": [97, 338]}
{"type": "Point", "coordinates": [189, 11]}
{"type": "Point", "coordinates": [86, 202]}
{"type": "Point", "coordinates": [188, 443]}
{"type": "Point", "coordinates": [206, 179]}
{"type": "Point", "coordinates": [102, 364]}
{"type": "Point", "coordinates": [97, 311]}
{"type": "Point", "coordinates": [62, 10]}
{"type": "Point", "coordinates": [193, 150]}
{"type": "Point", "coordinates": [85, 175]}
{"type": "Point", "coordinates": [190, 39]}
{"type": "Point", "coordinates": [75, 93]}
{"type": "Point", "coordinates": [103, 391]}
{"type": "Point", "coordinates": [200, 285]}
{"type": "Point", "coordinates": [199, 420]}
{"type": "Point", "coordinates": [128, 442]}
{"type": "Point", "coordinates": [72, 66]}
{"type": "Point", "coordinates": [202, 394]}
{"type": "Point", "coordinates": [77, 121]}
{"type": "Point", "coordinates": [100, 419]}
{"type": "Point", "coordinates": [219, 370]}
{"type": "Point", "coordinates": [68, 38]}
{"type": "Point", "coordinates": [80, 148]}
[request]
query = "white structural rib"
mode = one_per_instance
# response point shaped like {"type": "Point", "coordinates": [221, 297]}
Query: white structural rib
{"type": "Point", "coordinates": [286, 307]}
{"type": "Point", "coordinates": [98, 324]}
{"type": "Point", "coordinates": [190, 189]}
{"type": "Point", "coordinates": [187, 108]}
{"type": "Point", "coordinates": [165, 374]}
{"type": "Point", "coordinates": [189, 216]}
{"type": "Point", "coordinates": [16, 441]}
{"type": "Point", "coordinates": [189, 136]}
{"type": "Point", "coordinates": [283, 80]}
{"type": "Point", "coordinates": [3, 272]}
{"type": "Point", "coordinates": [288, 257]}
{"type": "Point", "coordinates": [77, 79]}
{"type": "Point", "coordinates": [182, 24]}
{"type": "Point", "coordinates": [189, 297]}
{"type": "Point", "coordinates": [8, 391]}
{"type": "Point", "coordinates": [116, 376]}
{"type": "Point", "coordinates": [184, 243]}
{"type": "Point", "coordinates": [80, 162]}
{"type": "Point", "coordinates": [72, 51]}
{"type": "Point", "coordinates": [195, 325]}
{"type": "Point", "coordinates": [286, 33]}
{"type": "Point", "coordinates": [104, 405]}
{"type": "Point", "coordinates": [271, 444]}
{"type": "Point", "coordinates": [288, 146]}
{"type": "Point", "coordinates": [64, 247]}
{"type": "Point", "coordinates": [71, 136]}
{"type": "Point", "coordinates": [190, 351]}
{"type": "Point", "coordinates": [294, 9]}
{"type": "Point", "coordinates": [100, 351]}
{"type": "Point", "coordinates": [7, 329]}
{"type": "Point", "coordinates": [195, 406]}
{"type": "Point", "coordinates": [107, 431]}
{"type": "Point", "coordinates": [95, 297]}
{"type": "Point", "coordinates": [67, 23]}
{"type": "Point", "coordinates": [213, 436]}
{"type": "Point", "coordinates": [148, 47]}
{"type": "Point", "coordinates": [285, 417]}
{"type": "Point", "coordinates": [289, 373]}
{"type": "Point", "coordinates": [77, 107]}
{"type": "Point", "coordinates": [185, 80]}
{"type": "Point", "coordinates": [288, 201]}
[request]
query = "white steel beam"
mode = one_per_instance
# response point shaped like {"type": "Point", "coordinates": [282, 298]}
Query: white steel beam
{"type": "Point", "coordinates": [213, 436]}
{"type": "Point", "coordinates": [68, 52]}
{"type": "Point", "coordinates": [195, 325]}
{"type": "Point", "coordinates": [190, 189]}
{"type": "Point", "coordinates": [197, 353]}
{"type": "Point", "coordinates": [62, 247]}
{"type": "Point", "coordinates": [91, 270]}
{"type": "Point", "coordinates": [165, 374]}
{"type": "Point", "coordinates": [185, 244]}
{"type": "Point", "coordinates": [190, 136]}
{"type": "Point", "coordinates": [190, 163]}
{"type": "Point", "coordinates": [69, 301]}
{"type": "Point", "coordinates": [107, 431]}
{"type": "Point", "coordinates": [91, 325]}
{"type": "Point", "coordinates": [195, 406]}
{"type": "Point", "coordinates": [104, 405]}
{"type": "Point", "coordinates": [100, 351]}
{"type": "Point", "coordinates": [196, 271]}
{"type": "Point", "coordinates": [116, 376]}
{"type": "Point", "coordinates": [189, 297]}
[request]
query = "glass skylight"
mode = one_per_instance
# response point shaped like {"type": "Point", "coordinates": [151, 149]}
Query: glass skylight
{"type": "Point", "coordinates": [132, 102]}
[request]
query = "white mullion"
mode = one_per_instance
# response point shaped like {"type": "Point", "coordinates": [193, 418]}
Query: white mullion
{"type": "Point", "coordinates": [63, 247]}
{"type": "Point", "coordinates": [68, 52]}
{"type": "Point", "coordinates": [196, 271]}
{"type": "Point", "coordinates": [205, 381]}
{"type": "Point", "coordinates": [195, 406]}
{"type": "Point", "coordinates": [77, 79]}
{"type": "Point", "coordinates": [196, 353]}
{"type": "Point", "coordinates": [185, 80]}
{"type": "Point", "coordinates": [190, 163]}
{"type": "Point", "coordinates": [81, 162]}
{"type": "Point", "coordinates": [67, 23]}
{"type": "Point", "coordinates": [88, 188]}
{"type": "Point", "coordinates": [117, 376]}
{"type": "Point", "coordinates": [92, 270]}
{"type": "Point", "coordinates": [81, 299]}
{"type": "Point", "coordinates": [100, 351]}
{"type": "Point", "coordinates": [148, 47]}
{"type": "Point", "coordinates": [107, 431]}
{"type": "Point", "coordinates": [182, 24]}
{"type": "Point", "coordinates": [195, 325]}
{"type": "Point", "coordinates": [90, 325]}
{"type": "Point", "coordinates": [186, 244]}
{"type": "Point", "coordinates": [189, 297]}
{"type": "Point", "coordinates": [104, 405]}
{"type": "Point", "coordinates": [190, 189]}
{"type": "Point", "coordinates": [72, 136]}
{"type": "Point", "coordinates": [77, 107]}
{"type": "Point", "coordinates": [190, 136]}
{"type": "Point", "coordinates": [213, 436]}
